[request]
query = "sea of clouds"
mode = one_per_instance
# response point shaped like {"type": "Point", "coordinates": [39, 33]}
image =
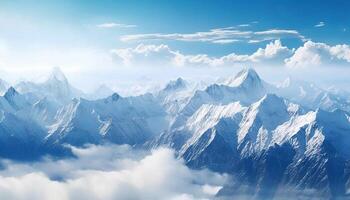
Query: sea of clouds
{"type": "Point", "coordinates": [108, 172]}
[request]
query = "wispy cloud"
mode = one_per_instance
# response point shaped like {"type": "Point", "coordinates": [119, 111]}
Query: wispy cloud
{"type": "Point", "coordinates": [115, 25]}
{"type": "Point", "coordinates": [244, 25]}
{"type": "Point", "coordinates": [219, 35]}
{"type": "Point", "coordinates": [320, 24]}
{"type": "Point", "coordinates": [225, 41]}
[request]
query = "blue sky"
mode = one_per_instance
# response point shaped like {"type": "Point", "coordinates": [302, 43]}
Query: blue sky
{"type": "Point", "coordinates": [187, 17]}
{"type": "Point", "coordinates": [87, 36]}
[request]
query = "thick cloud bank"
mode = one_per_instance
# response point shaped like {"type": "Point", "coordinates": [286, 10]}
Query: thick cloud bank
{"type": "Point", "coordinates": [108, 172]}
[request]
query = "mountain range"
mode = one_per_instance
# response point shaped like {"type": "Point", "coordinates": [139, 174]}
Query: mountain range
{"type": "Point", "coordinates": [275, 140]}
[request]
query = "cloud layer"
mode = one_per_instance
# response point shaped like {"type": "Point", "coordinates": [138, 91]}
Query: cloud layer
{"type": "Point", "coordinates": [163, 54]}
{"type": "Point", "coordinates": [220, 36]}
{"type": "Point", "coordinates": [109, 172]}
{"type": "Point", "coordinates": [311, 54]}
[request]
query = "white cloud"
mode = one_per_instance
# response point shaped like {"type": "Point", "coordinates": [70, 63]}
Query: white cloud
{"type": "Point", "coordinates": [341, 52]}
{"type": "Point", "coordinates": [109, 172]}
{"type": "Point", "coordinates": [225, 41]}
{"type": "Point", "coordinates": [274, 50]}
{"type": "Point", "coordinates": [145, 54]}
{"type": "Point", "coordinates": [310, 54]}
{"type": "Point", "coordinates": [164, 55]}
{"type": "Point", "coordinates": [274, 34]}
{"type": "Point", "coordinates": [218, 35]}
{"type": "Point", "coordinates": [320, 24]}
{"type": "Point", "coordinates": [244, 25]}
{"type": "Point", "coordinates": [115, 25]}
{"type": "Point", "coordinates": [316, 54]}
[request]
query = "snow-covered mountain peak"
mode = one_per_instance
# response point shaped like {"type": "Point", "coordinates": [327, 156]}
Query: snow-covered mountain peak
{"type": "Point", "coordinates": [244, 78]}
{"type": "Point", "coordinates": [10, 93]}
{"type": "Point", "coordinates": [15, 99]}
{"type": "Point", "coordinates": [270, 105]}
{"type": "Point", "coordinates": [56, 87]}
{"type": "Point", "coordinates": [115, 97]}
{"type": "Point", "coordinates": [57, 75]}
{"type": "Point", "coordinates": [57, 81]}
{"type": "Point", "coordinates": [274, 102]}
{"type": "Point", "coordinates": [110, 99]}
{"type": "Point", "coordinates": [214, 90]}
{"type": "Point", "coordinates": [179, 83]}
{"type": "Point", "coordinates": [263, 117]}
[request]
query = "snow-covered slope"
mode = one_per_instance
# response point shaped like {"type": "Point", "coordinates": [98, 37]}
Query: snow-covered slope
{"type": "Point", "coordinates": [175, 95]}
{"type": "Point", "coordinates": [247, 88]}
{"type": "Point", "coordinates": [261, 119]}
{"type": "Point", "coordinates": [3, 86]}
{"type": "Point", "coordinates": [212, 142]}
{"type": "Point", "coordinates": [44, 111]}
{"type": "Point", "coordinates": [267, 144]}
{"type": "Point", "coordinates": [312, 96]}
{"type": "Point", "coordinates": [21, 136]}
{"type": "Point", "coordinates": [16, 100]}
{"type": "Point", "coordinates": [56, 88]}
{"type": "Point", "coordinates": [113, 119]}
{"type": "Point", "coordinates": [294, 137]}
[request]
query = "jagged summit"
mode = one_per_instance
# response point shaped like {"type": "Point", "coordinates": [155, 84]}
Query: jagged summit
{"type": "Point", "coordinates": [57, 75]}
{"type": "Point", "coordinates": [11, 92]}
{"type": "Point", "coordinates": [248, 72]}
{"type": "Point", "coordinates": [115, 96]}
{"type": "Point", "coordinates": [15, 99]}
{"type": "Point", "coordinates": [179, 83]}
{"type": "Point", "coordinates": [55, 87]}
{"type": "Point", "coordinates": [243, 78]}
